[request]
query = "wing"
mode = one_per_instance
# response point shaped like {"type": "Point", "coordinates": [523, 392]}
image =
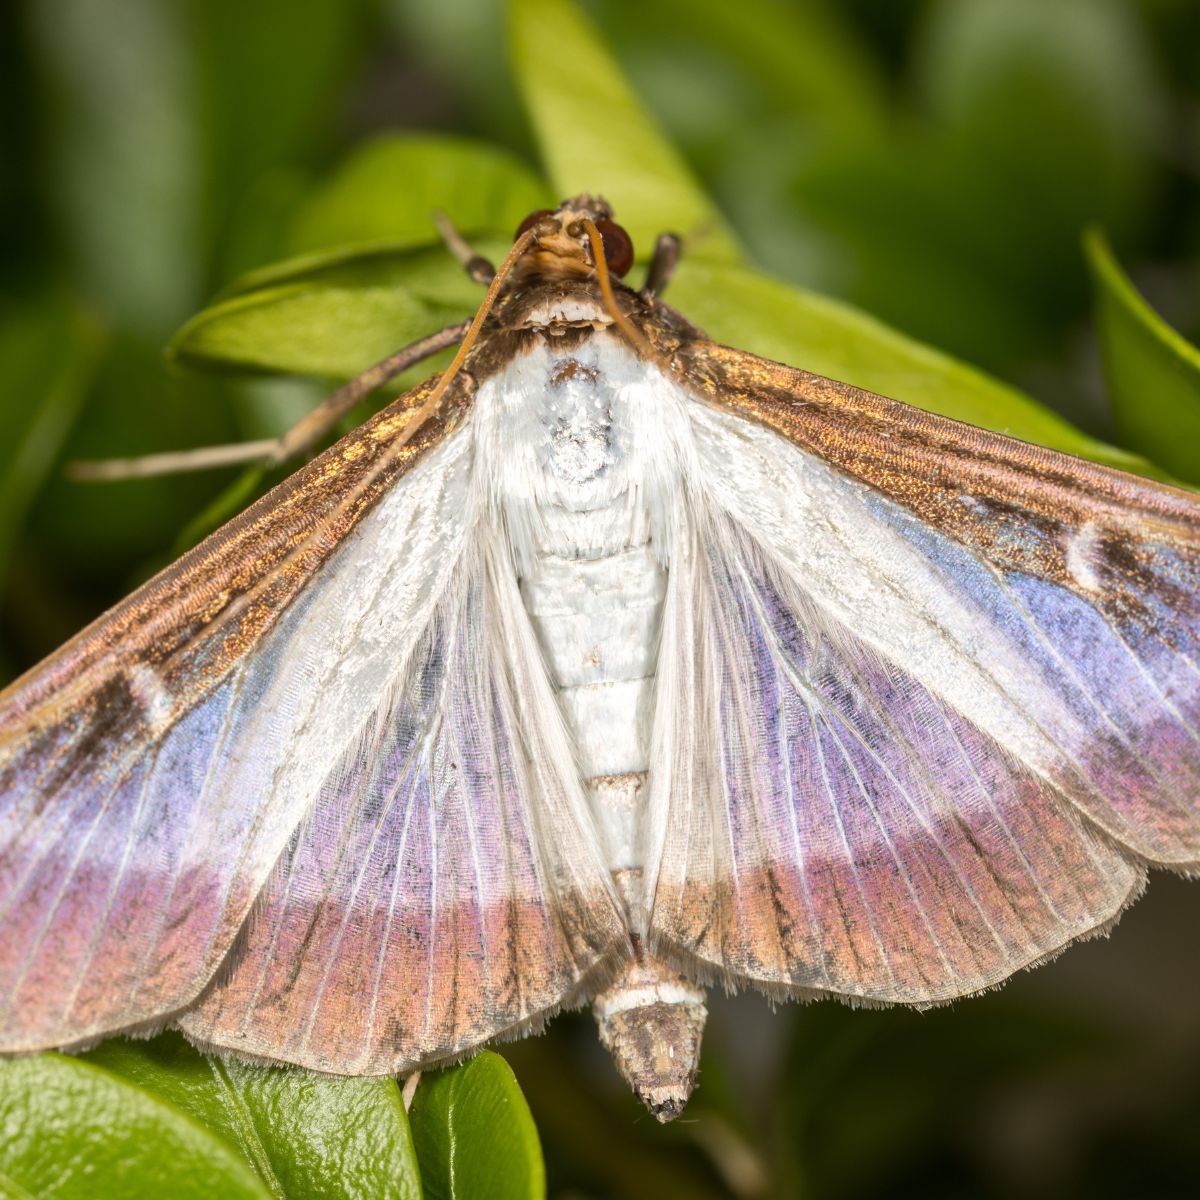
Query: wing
{"type": "Point", "coordinates": [153, 771]}
{"type": "Point", "coordinates": [443, 889]}
{"type": "Point", "coordinates": [945, 684]}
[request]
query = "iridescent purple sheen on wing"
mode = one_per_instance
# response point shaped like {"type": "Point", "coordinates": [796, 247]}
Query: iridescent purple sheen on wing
{"type": "Point", "coordinates": [849, 833]}
{"type": "Point", "coordinates": [91, 887]}
{"type": "Point", "coordinates": [416, 913]}
{"type": "Point", "coordinates": [1131, 760]}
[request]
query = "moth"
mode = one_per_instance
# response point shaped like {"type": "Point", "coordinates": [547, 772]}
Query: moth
{"type": "Point", "coordinates": [609, 664]}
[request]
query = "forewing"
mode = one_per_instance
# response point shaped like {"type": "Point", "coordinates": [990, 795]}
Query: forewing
{"type": "Point", "coordinates": [446, 886]}
{"type": "Point", "coordinates": [152, 771]}
{"type": "Point", "coordinates": [832, 825]}
{"type": "Point", "coordinates": [1063, 597]}
{"type": "Point", "coordinates": [929, 662]}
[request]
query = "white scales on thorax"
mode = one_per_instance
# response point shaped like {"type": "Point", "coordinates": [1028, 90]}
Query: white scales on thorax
{"type": "Point", "coordinates": [586, 485]}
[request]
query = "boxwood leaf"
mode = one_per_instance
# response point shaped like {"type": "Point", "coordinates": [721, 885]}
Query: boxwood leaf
{"type": "Point", "coordinates": [304, 1134]}
{"type": "Point", "coordinates": [474, 1134]}
{"type": "Point", "coordinates": [753, 312]}
{"type": "Point", "coordinates": [1153, 373]}
{"type": "Point", "coordinates": [595, 136]}
{"type": "Point", "coordinates": [69, 1128]}
{"type": "Point", "coordinates": [386, 192]}
{"type": "Point", "coordinates": [332, 315]}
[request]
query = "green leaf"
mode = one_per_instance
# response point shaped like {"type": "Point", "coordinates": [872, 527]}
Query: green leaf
{"type": "Point", "coordinates": [596, 137]}
{"type": "Point", "coordinates": [269, 83]}
{"type": "Point", "coordinates": [752, 312]}
{"type": "Point", "coordinates": [474, 1134]}
{"type": "Point", "coordinates": [122, 134]}
{"type": "Point", "coordinates": [806, 57]}
{"type": "Point", "coordinates": [386, 192]}
{"type": "Point", "coordinates": [1153, 373]}
{"type": "Point", "coordinates": [304, 1134]}
{"type": "Point", "coordinates": [69, 1129]}
{"type": "Point", "coordinates": [332, 315]}
{"type": "Point", "coordinates": [48, 353]}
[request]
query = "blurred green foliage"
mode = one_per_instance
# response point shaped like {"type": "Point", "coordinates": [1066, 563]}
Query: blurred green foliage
{"type": "Point", "coordinates": [253, 187]}
{"type": "Point", "coordinates": [1153, 374]}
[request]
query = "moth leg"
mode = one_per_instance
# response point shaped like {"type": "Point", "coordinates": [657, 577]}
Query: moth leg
{"type": "Point", "coordinates": [271, 452]}
{"type": "Point", "coordinates": [662, 265]}
{"type": "Point", "coordinates": [476, 266]}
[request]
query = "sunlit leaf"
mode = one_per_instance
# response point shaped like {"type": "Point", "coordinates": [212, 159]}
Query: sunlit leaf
{"type": "Point", "coordinates": [750, 311]}
{"type": "Point", "coordinates": [474, 1134]}
{"type": "Point", "coordinates": [387, 191]}
{"type": "Point", "coordinates": [1153, 374]}
{"type": "Point", "coordinates": [595, 136]}
{"type": "Point", "coordinates": [333, 315]}
{"type": "Point", "coordinates": [72, 1129]}
{"type": "Point", "coordinates": [304, 1134]}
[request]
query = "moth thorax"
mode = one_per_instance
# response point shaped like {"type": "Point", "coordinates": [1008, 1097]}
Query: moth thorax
{"type": "Point", "coordinates": [651, 1019]}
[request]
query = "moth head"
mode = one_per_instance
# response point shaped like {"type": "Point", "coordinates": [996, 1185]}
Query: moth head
{"type": "Point", "coordinates": [561, 246]}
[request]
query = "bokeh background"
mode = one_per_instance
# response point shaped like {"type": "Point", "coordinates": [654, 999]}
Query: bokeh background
{"type": "Point", "coordinates": [933, 162]}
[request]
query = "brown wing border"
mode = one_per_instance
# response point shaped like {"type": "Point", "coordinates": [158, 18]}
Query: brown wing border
{"type": "Point", "coordinates": [197, 617]}
{"type": "Point", "coordinates": [968, 483]}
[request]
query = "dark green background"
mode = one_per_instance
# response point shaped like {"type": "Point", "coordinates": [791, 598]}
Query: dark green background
{"type": "Point", "coordinates": [934, 164]}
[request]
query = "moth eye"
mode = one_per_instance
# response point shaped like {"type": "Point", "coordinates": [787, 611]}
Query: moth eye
{"type": "Point", "coordinates": [618, 246]}
{"type": "Point", "coordinates": [531, 220]}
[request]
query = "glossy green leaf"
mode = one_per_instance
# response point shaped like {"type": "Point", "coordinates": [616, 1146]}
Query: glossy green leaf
{"type": "Point", "coordinates": [387, 191]}
{"type": "Point", "coordinates": [1153, 374]}
{"type": "Point", "coordinates": [474, 1134]}
{"type": "Point", "coordinates": [72, 1129]}
{"type": "Point", "coordinates": [595, 136]}
{"type": "Point", "coordinates": [332, 315]}
{"type": "Point", "coordinates": [304, 1134]}
{"type": "Point", "coordinates": [752, 312]}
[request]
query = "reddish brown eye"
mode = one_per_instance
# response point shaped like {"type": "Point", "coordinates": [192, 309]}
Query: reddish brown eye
{"type": "Point", "coordinates": [618, 246]}
{"type": "Point", "coordinates": [531, 220]}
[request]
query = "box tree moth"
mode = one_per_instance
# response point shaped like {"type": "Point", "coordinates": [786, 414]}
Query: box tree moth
{"type": "Point", "coordinates": [609, 664]}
